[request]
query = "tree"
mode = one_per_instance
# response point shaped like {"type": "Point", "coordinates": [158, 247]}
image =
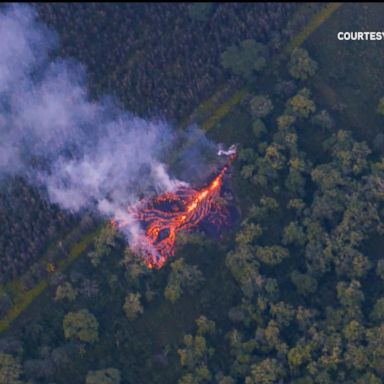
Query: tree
{"type": "Point", "coordinates": [132, 306]}
{"type": "Point", "coordinates": [283, 313]}
{"type": "Point", "coordinates": [380, 107]}
{"type": "Point", "coordinates": [195, 351]}
{"type": "Point", "coordinates": [173, 290]}
{"type": "Point", "coordinates": [301, 105]}
{"type": "Point", "coordinates": [188, 379]}
{"type": "Point", "coordinates": [258, 128]}
{"type": "Point", "coordinates": [103, 376]}
{"type": "Point", "coordinates": [248, 233]}
{"type": "Point", "coordinates": [260, 106]}
{"type": "Point", "coordinates": [268, 338]}
{"type": "Point", "coordinates": [355, 357]}
{"type": "Point", "coordinates": [202, 374]}
{"type": "Point", "coordinates": [10, 369]}
{"type": "Point", "coordinates": [205, 326]}
{"type": "Point", "coordinates": [297, 204]}
{"type": "Point", "coordinates": [81, 325]}
{"type": "Point", "coordinates": [247, 154]}
{"type": "Point", "coordinates": [375, 348]}
{"type": "Point", "coordinates": [377, 313]}
{"type": "Point", "coordinates": [246, 59]}
{"type": "Point", "coordinates": [104, 242]}
{"type": "Point", "coordinates": [135, 267]}
{"type": "Point", "coordinates": [226, 380]}
{"type": "Point", "coordinates": [65, 291]}
{"type": "Point", "coordinates": [353, 331]}
{"type": "Point", "coordinates": [293, 234]}
{"type": "Point", "coordinates": [267, 371]}
{"type": "Point", "coordinates": [350, 297]}
{"type": "Point", "coordinates": [274, 159]}
{"type": "Point", "coordinates": [182, 276]}
{"type": "Point", "coordinates": [300, 65]}
{"type": "Point", "coordinates": [380, 269]}
{"type": "Point", "coordinates": [199, 375]}
{"type": "Point", "coordinates": [327, 177]}
{"type": "Point", "coordinates": [285, 121]}
{"type": "Point", "coordinates": [244, 268]}
{"type": "Point", "coordinates": [305, 284]}
{"type": "Point", "coordinates": [369, 378]}
{"type": "Point", "coordinates": [271, 255]}
{"type": "Point", "coordinates": [299, 354]}
{"type": "Point", "coordinates": [349, 294]}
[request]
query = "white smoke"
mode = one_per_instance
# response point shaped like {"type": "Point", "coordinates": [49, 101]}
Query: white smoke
{"type": "Point", "coordinates": [83, 153]}
{"type": "Point", "coordinates": [232, 150]}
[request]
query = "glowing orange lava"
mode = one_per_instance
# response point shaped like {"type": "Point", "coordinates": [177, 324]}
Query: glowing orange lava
{"type": "Point", "coordinates": [165, 215]}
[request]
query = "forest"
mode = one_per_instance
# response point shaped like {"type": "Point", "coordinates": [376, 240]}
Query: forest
{"type": "Point", "coordinates": [293, 292]}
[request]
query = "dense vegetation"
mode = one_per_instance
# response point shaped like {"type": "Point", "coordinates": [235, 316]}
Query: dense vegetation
{"type": "Point", "coordinates": [26, 223]}
{"type": "Point", "coordinates": [293, 295]}
{"type": "Point", "coordinates": [161, 58]}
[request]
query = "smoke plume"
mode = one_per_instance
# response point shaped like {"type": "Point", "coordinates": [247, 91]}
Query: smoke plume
{"type": "Point", "coordinates": [83, 154]}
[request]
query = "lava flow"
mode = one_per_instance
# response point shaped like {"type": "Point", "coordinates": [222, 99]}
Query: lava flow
{"type": "Point", "coordinates": [165, 215]}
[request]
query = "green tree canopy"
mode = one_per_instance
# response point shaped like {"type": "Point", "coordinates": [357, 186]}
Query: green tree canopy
{"type": "Point", "coordinates": [182, 276]}
{"type": "Point", "coordinates": [260, 106]}
{"type": "Point", "coordinates": [271, 255]}
{"type": "Point", "coordinates": [377, 313]}
{"type": "Point", "coordinates": [245, 59]}
{"type": "Point", "coordinates": [132, 306]}
{"type": "Point", "coordinates": [267, 371]}
{"type": "Point", "coordinates": [380, 106]}
{"type": "Point", "coordinates": [301, 105]}
{"type": "Point", "coordinates": [301, 66]}
{"type": "Point", "coordinates": [65, 291]}
{"type": "Point", "coordinates": [258, 128]}
{"type": "Point", "coordinates": [81, 325]}
{"type": "Point", "coordinates": [103, 244]}
{"type": "Point", "coordinates": [103, 376]}
{"type": "Point", "coordinates": [305, 284]}
{"type": "Point", "coordinates": [10, 369]}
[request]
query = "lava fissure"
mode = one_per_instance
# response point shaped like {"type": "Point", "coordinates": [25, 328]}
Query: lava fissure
{"type": "Point", "coordinates": [162, 217]}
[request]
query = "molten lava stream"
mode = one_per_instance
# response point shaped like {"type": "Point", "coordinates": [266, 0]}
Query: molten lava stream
{"type": "Point", "coordinates": [167, 214]}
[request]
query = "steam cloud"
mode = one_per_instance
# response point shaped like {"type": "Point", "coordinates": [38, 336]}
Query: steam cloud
{"type": "Point", "coordinates": [85, 154]}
